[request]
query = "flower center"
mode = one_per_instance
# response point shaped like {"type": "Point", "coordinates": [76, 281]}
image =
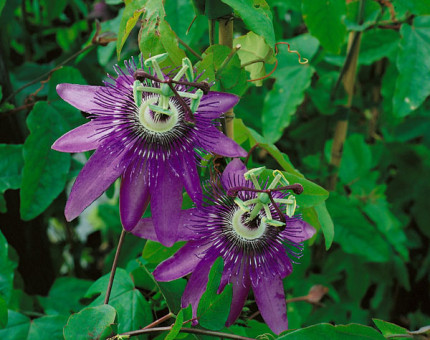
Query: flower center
{"type": "Point", "coordinates": [245, 228]}
{"type": "Point", "coordinates": [156, 121]}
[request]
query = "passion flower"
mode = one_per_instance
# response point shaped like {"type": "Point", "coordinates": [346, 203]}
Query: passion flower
{"type": "Point", "coordinates": [148, 128]}
{"type": "Point", "coordinates": [257, 244]}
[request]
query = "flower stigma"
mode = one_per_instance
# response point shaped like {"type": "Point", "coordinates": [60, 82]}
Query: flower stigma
{"type": "Point", "coordinates": [245, 228]}
{"type": "Point", "coordinates": [260, 205]}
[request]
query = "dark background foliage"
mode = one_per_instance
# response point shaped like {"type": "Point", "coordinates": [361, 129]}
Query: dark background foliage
{"type": "Point", "coordinates": [305, 119]}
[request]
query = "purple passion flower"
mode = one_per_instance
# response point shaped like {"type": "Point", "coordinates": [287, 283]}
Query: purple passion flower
{"type": "Point", "coordinates": [146, 131]}
{"type": "Point", "coordinates": [256, 253]}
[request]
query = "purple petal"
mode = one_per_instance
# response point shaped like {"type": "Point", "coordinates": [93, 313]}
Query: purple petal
{"type": "Point", "coordinates": [214, 104]}
{"type": "Point", "coordinates": [166, 201]}
{"type": "Point", "coordinates": [146, 229]}
{"type": "Point", "coordinates": [270, 299]}
{"type": "Point", "coordinates": [80, 96]}
{"type": "Point", "coordinates": [216, 142]}
{"type": "Point", "coordinates": [234, 171]}
{"type": "Point", "coordinates": [84, 138]}
{"type": "Point", "coordinates": [133, 197]}
{"type": "Point", "coordinates": [185, 166]}
{"type": "Point", "coordinates": [305, 233]}
{"type": "Point", "coordinates": [102, 169]}
{"type": "Point", "coordinates": [240, 293]}
{"type": "Point", "coordinates": [197, 284]}
{"type": "Point", "coordinates": [182, 263]}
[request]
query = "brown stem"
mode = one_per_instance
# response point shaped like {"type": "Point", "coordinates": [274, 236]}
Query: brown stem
{"type": "Point", "coordinates": [47, 74]}
{"type": "Point", "coordinates": [183, 43]}
{"type": "Point", "coordinates": [348, 74]}
{"type": "Point", "coordinates": [225, 37]}
{"type": "Point", "coordinates": [114, 265]}
{"type": "Point", "coordinates": [187, 330]}
{"type": "Point", "coordinates": [160, 320]}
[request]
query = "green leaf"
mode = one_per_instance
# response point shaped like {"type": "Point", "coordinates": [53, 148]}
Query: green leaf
{"type": "Point", "coordinates": [172, 292]}
{"type": "Point", "coordinates": [91, 323]}
{"type": "Point", "coordinates": [253, 47]}
{"type": "Point", "coordinates": [133, 310]}
{"type": "Point", "coordinates": [2, 3]}
{"type": "Point", "coordinates": [11, 164]}
{"type": "Point", "coordinates": [3, 312]}
{"type": "Point", "coordinates": [354, 232]}
{"type": "Point", "coordinates": [389, 329]}
{"type": "Point", "coordinates": [214, 308]}
{"type": "Point", "coordinates": [243, 133]}
{"type": "Point", "coordinates": [66, 74]}
{"type": "Point", "coordinates": [133, 10]}
{"type": "Point", "coordinates": [64, 295]}
{"type": "Point", "coordinates": [155, 252]}
{"type": "Point", "coordinates": [17, 328]}
{"type": "Point", "coordinates": [324, 19]}
{"type": "Point", "coordinates": [53, 8]}
{"type": "Point", "coordinates": [356, 159]}
{"type": "Point", "coordinates": [326, 331]}
{"type": "Point", "coordinates": [378, 211]}
{"type": "Point", "coordinates": [52, 325]}
{"type": "Point", "coordinates": [45, 171]}
{"type": "Point", "coordinates": [281, 102]}
{"type": "Point", "coordinates": [7, 268]}
{"type": "Point", "coordinates": [418, 7]}
{"type": "Point", "coordinates": [257, 17]}
{"type": "Point", "coordinates": [377, 44]}
{"type": "Point", "coordinates": [326, 222]}
{"type": "Point", "coordinates": [20, 327]}
{"type": "Point", "coordinates": [413, 83]}
{"type": "Point", "coordinates": [176, 327]}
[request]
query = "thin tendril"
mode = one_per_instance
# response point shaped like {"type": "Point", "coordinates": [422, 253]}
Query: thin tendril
{"type": "Point", "coordinates": [304, 61]}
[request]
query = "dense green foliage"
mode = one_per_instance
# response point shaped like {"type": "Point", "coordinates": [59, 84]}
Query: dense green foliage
{"type": "Point", "coordinates": [371, 250]}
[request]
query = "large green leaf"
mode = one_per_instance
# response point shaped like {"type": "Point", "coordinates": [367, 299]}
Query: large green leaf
{"type": "Point", "coordinates": [214, 308]}
{"type": "Point", "coordinates": [377, 44]}
{"type": "Point", "coordinates": [20, 327]}
{"type": "Point", "coordinates": [253, 47]}
{"type": "Point", "coordinates": [324, 20]}
{"type": "Point", "coordinates": [7, 268]}
{"type": "Point", "coordinates": [257, 17]}
{"type": "Point", "coordinates": [356, 159]}
{"type": "Point", "coordinates": [355, 234]}
{"type": "Point", "coordinates": [3, 313]}
{"type": "Point", "coordinates": [281, 102]}
{"type": "Point", "coordinates": [132, 12]}
{"type": "Point", "coordinates": [418, 7]}
{"type": "Point", "coordinates": [413, 83]}
{"type": "Point", "coordinates": [232, 78]}
{"type": "Point", "coordinates": [326, 331]}
{"type": "Point", "coordinates": [91, 323]}
{"type": "Point", "coordinates": [133, 310]}
{"type": "Point", "coordinates": [326, 222]}
{"type": "Point", "coordinates": [155, 36]}
{"type": "Point", "coordinates": [243, 133]}
{"type": "Point", "coordinates": [389, 329]}
{"type": "Point", "coordinates": [378, 211]}
{"type": "Point", "coordinates": [64, 296]}
{"type": "Point", "coordinates": [45, 171]}
{"type": "Point", "coordinates": [11, 163]}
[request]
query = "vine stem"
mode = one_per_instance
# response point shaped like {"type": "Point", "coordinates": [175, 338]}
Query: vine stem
{"type": "Point", "coordinates": [347, 76]}
{"type": "Point", "coordinates": [225, 37]}
{"type": "Point", "coordinates": [186, 330]}
{"type": "Point", "coordinates": [194, 53]}
{"type": "Point", "coordinates": [47, 74]}
{"type": "Point", "coordinates": [114, 265]}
